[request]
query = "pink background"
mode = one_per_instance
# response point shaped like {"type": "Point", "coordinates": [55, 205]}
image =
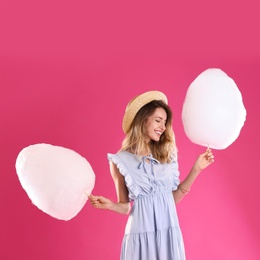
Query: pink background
{"type": "Point", "coordinates": [67, 70]}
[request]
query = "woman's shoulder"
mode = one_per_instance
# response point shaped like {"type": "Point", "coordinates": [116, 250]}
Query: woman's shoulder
{"type": "Point", "coordinates": [124, 157]}
{"type": "Point", "coordinates": [121, 155]}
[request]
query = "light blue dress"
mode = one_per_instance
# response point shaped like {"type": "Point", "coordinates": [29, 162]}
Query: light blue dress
{"type": "Point", "coordinates": [152, 231]}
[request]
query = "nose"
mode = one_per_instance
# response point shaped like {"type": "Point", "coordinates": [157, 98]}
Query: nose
{"type": "Point", "coordinates": [162, 126]}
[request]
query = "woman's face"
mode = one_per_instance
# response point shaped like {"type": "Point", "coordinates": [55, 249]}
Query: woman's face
{"type": "Point", "coordinates": [155, 125]}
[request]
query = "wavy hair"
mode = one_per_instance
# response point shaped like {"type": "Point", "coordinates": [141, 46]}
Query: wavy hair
{"type": "Point", "coordinates": [165, 149]}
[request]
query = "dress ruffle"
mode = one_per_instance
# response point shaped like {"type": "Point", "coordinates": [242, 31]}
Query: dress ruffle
{"type": "Point", "coordinates": [164, 247]}
{"type": "Point", "coordinates": [135, 190]}
{"type": "Point", "coordinates": [176, 177]}
{"type": "Point", "coordinates": [130, 183]}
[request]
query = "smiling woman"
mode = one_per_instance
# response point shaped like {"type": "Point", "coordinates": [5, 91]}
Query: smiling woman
{"type": "Point", "coordinates": [145, 172]}
{"type": "Point", "coordinates": [155, 125]}
{"type": "Point", "coordinates": [152, 119]}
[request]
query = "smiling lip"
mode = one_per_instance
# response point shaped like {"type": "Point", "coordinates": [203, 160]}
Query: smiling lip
{"type": "Point", "coordinates": [158, 132]}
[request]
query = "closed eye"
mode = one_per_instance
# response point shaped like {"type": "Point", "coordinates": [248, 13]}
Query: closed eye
{"type": "Point", "coordinates": [159, 121]}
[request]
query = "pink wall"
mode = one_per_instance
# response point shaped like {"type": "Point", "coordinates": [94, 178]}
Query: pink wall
{"type": "Point", "coordinates": [67, 70]}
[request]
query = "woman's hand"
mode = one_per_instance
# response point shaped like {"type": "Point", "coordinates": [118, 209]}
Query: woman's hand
{"type": "Point", "coordinates": [100, 202]}
{"type": "Point", "coordinates": [122, 206]}
{"type": "Point", "coordinates": [204, 160]}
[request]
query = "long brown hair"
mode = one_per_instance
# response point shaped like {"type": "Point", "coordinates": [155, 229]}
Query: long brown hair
{"type": "Point", "coordinates": [165, 149]}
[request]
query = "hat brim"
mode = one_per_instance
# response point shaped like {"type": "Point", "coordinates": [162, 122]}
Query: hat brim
{"type": "Point", "coordinates": [137, 103]}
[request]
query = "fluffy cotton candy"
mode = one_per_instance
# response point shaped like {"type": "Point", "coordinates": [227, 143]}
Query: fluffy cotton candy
{"type": "Point", "coordinates": [213, 111]}
{"type": "Point", "coordinates": [55, 178]}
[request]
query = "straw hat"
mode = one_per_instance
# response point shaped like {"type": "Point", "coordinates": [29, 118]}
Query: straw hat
{"type": "Point", "coordinates": [137, 103]}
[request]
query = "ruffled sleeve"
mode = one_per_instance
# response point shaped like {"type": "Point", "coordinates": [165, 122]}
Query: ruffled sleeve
{"type": "Point", "coordinates": [176, 175]}
{"type": "Point", "coordinates": [133, 189]}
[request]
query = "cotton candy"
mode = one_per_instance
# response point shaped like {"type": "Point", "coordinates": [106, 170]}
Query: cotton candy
{"type": "Point", "coordinates": [213, 111]}
{"type": "Point", "coordinates": [55, 178]}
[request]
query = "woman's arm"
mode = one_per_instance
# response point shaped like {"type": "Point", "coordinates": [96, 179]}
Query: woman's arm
{"type": "Point", "coordinates": [203, 161]}
{"type": "Point", "coordinates": [123, 204]}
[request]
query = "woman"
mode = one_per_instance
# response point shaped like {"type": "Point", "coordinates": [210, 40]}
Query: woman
{"type": "Point", "coordinates": [145, 171]}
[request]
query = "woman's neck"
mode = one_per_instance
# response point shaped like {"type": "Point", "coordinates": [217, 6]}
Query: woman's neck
{"type": "Point", "coordinates": [145, 152]}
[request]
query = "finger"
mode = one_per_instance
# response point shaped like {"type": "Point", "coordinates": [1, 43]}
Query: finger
{"type": "Point", "coordinates": [206, 152]}
{"type": "Point", "coordinates": [92, 197]}
{"type": "Point", "coordinates": [94, 202]}
{"type": "Point", "coordinates": [210, 158]}
{"type": "Point", "coordinates": [210, 154]}
{"type": "Point", "coordinates": [98, 197]}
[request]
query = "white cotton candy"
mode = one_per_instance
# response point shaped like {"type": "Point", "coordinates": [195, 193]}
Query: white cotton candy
{"type": "Point", "coordinates": [55, 178]}
{"type": "Point", "coordinates": [213, 111]}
